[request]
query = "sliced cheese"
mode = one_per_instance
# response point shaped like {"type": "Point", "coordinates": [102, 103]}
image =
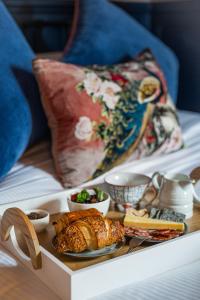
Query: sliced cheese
{"type": "Point", "coordinates": [147, 223]}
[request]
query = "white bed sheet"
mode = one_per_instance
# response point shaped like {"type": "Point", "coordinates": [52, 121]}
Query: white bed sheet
{"type": "Point", "coordinates": [33, 175]}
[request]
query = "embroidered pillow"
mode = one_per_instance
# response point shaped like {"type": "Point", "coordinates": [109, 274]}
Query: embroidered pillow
{"type": "Point", "coordinates": [101, 115]}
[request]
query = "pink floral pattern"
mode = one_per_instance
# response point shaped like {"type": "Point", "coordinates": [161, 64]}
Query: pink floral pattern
{"type": "Point", "coordinates": [83, 129]}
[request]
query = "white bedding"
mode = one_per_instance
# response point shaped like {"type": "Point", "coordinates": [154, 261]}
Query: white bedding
{"type": "Point", "coordinates": [33, 175]}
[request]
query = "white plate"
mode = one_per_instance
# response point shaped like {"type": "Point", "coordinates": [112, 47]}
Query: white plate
{"type": "Point", "coordinates": [95, 253]}
{"type": "Point", "coordinates": [160, 241]}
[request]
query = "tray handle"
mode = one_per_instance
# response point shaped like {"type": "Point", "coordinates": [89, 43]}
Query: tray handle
{"type": "Point", "coordinates": [16, 217]}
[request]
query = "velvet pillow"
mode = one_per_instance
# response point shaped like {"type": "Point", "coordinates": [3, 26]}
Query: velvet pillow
{"type": "Point", "coordinates": [22, 120]}
{"type": "Point", "coordinates": [108, 35]}
{"type": "Point", "coordinates": [101, 115]}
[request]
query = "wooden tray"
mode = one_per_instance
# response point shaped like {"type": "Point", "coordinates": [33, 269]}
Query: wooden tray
{"type": "Point", "coordinates": [77, 264]}
{"type": "Point", "coordinates": [77, 279]}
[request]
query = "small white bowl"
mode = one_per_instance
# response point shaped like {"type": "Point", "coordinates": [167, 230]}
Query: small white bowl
{"type": "Point", "coordinates": [102, 206]}
{"type": "Point", "coordinates": [42, 223]}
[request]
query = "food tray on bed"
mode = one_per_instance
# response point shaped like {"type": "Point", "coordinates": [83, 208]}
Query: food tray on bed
{"type": "Point", "coordinates": [72, 278]}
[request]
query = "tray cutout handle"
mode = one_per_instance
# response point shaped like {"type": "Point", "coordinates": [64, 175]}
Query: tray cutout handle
{"type": "Point", "coordinates": [17, 218]}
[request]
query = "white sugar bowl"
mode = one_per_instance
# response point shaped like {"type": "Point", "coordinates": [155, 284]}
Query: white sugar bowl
{"type": "Point", "coordinates": [39, 218]}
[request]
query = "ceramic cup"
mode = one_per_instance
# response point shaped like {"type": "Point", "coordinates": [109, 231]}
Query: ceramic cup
{"type": "Point", "coordinates": [126, 189]}
{"type": "Point", "coordinates": [176, 191]}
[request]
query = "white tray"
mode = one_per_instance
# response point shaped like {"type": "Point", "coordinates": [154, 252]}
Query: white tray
{"type": "Point", "coordinates": [102, 277]}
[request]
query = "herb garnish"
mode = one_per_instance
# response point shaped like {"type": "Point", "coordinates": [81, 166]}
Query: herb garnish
{"type": "Point", "coordinates": [85, 197]}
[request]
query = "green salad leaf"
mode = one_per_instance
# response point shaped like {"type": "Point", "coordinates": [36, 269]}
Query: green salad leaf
{"type": "Point", "coordinates": [100, 194]}
{"type": "Point", "coordinates": [83, 196]}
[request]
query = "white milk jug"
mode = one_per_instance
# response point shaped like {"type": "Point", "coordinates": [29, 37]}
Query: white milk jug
{"type": "Point", "coordinates": [176, 191]}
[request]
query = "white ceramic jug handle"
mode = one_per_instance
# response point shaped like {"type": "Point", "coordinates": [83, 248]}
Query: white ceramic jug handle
{"type": "Point", "coordinates": [157, 180]}
{"type": "Point", "coordinates": [195, 177]}
{"type": "Point", "coordinates": [196, 197]}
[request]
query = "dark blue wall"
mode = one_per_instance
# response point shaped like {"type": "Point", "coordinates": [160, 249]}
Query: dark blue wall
{"type": "Point", "coordinates": [178, 25]}
{"type": "Point", "coordinates": [45, 23]}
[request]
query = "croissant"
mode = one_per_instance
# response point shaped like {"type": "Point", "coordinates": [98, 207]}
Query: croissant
{"type": "Point", "coordinates": [89, 233]}
{"type": "Point", "coordinates": [69, 217]}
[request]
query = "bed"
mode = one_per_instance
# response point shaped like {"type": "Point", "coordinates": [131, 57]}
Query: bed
{"type": "Point", "coordinates": [34, 176]}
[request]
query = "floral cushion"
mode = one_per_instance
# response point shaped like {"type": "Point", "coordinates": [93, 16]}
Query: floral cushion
{"type": "Point", "coordinates": [100, 115]}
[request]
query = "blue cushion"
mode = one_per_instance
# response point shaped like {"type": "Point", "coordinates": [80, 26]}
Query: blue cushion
{"type": "Point", "coordinates": [21, 116]}
{"type": "Point", "coordinates": [107, 35]}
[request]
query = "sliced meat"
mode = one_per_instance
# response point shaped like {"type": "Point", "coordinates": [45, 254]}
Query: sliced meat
{"type": "Point", "coordinates": [156, 235]}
